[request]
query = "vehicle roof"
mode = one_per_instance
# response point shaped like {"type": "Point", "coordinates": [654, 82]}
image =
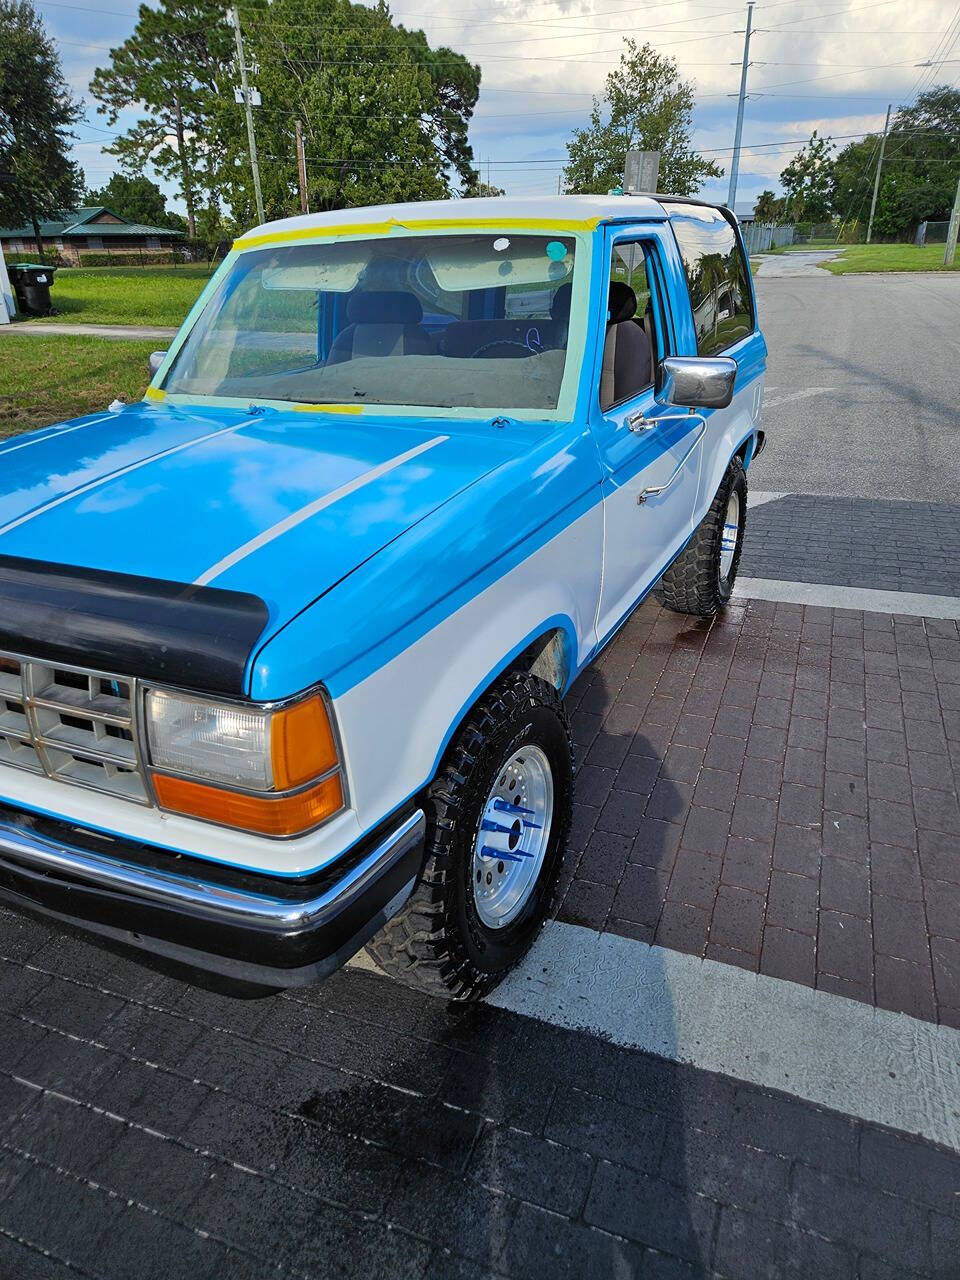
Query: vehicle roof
{"type": "Point", "coordinates": [572, 209]}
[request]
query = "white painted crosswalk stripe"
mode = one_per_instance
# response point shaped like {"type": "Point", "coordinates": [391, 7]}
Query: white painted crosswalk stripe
{"type": "Point", "coordinates": [882, 1067]}
{"type": "Point", "coordinates": [913, 603]}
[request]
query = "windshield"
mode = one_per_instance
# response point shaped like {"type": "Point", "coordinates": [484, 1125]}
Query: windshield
{"type": "Point", "coordinates": [465, 321]}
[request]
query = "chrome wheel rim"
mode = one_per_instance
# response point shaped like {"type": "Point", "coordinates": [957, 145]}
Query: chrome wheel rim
{"type": "Point", "coordinates": [512, 837]}
{"type": "Point", "coordinates": [731, 531]}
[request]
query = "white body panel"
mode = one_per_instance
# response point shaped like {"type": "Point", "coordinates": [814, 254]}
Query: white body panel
{"type": "Point", "coordinates": [393, 724]}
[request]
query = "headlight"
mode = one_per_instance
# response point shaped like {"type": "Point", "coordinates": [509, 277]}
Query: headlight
{"type": "Point", "coordinates": [275, 771]}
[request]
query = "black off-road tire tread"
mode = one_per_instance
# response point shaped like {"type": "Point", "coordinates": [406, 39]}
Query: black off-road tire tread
{"type": "Point", "coordinates": [417, 947]}
{"type": "Point", "coordinates": [692, 584]}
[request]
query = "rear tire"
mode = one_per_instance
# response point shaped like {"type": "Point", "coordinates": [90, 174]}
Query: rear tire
{"type": "Point", "coordinates": [700, 580]}
{"type": "Point", "coordinates": [449, 939]}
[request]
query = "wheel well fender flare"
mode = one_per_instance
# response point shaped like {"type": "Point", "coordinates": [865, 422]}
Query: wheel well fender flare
{"type": "Point", "coordinates": [549, 652]}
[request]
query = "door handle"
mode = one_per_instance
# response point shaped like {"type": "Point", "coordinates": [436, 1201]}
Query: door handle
{"type": "Point", "coordinates": [655, 491]}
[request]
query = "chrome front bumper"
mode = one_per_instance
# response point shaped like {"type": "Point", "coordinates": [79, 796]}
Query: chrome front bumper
{"type": "Point", "coordinates": [250, 927]}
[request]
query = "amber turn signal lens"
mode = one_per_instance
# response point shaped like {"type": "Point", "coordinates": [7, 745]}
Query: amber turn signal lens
{"type": "Point", "coordinates": [301, 743]}
{"type": "Point", "coordinates": [265, 815]}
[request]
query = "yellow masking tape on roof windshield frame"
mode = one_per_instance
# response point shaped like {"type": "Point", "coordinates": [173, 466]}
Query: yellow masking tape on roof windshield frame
{"type": "Point", "coordinates": [417, 224]}
{"type": "Point", "coordinates": [327, 408]}
{"type": "Point", "coordinates": [154, 393]}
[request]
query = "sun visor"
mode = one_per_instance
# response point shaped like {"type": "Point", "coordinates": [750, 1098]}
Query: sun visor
{"type": "Point", "coordinates": [336, 269]}
{"type": "Point", "coordinates": [481, 263]}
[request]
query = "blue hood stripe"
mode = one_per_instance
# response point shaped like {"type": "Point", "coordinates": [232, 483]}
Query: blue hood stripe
{"type": "Point", "coordinates": [115, 475]}
{"type": "Point", "coordinates": [312, 509]}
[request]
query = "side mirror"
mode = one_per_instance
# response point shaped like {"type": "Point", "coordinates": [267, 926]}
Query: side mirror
{"type": "Point", "coordinates": [697, 382]}
{"type": "Point", "coordinates": [156, 360]}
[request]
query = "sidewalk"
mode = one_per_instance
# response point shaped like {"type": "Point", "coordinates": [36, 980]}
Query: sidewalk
{"type": "Point", "coordinates": [44, 328]}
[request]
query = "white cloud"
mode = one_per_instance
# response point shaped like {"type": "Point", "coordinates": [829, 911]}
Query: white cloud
{"type": "Point", "coordinates": [827, 64]}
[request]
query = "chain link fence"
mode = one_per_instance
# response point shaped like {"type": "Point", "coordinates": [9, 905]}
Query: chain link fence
{"type": "Point", "coordinates": [760, 236]}
{"type": "Point", "coordinates": [931, 233]}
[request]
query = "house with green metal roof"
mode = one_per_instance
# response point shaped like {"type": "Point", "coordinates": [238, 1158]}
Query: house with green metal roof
{"type": "Point", "coordinates": [95, 229]}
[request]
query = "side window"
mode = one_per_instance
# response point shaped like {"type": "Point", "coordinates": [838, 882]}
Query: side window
{"type": "Point", "coordinates": [716, 276]}
{"type": "Point", "coordinates": [629, 349]}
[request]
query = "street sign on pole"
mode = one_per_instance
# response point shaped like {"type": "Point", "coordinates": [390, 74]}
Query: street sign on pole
{"type": "Point", "coordinates": [950, 252]}
{"type": "Point", "coordinates": [247, 93]}
{"type": "Point", "coordinates": [641, 172]}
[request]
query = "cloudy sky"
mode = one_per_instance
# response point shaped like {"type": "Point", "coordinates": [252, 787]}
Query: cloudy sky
{"type": "Point", "coordinates": [814, 64]}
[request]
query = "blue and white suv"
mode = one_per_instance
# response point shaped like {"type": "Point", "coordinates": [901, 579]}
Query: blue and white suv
{"type": "Point", "coordinates": [283, 647]}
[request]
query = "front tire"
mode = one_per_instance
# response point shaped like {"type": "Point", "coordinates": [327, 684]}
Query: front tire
{"type": "Point", "coordinates": [505, 787]}
{"type": "Point", "coordinates": [700, 580]}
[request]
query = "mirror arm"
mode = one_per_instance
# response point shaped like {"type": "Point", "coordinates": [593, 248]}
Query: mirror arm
{"type": "Point", "coordinates": [656, 490]}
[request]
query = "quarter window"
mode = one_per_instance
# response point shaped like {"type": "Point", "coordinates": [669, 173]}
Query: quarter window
{"type": "Point", "coordinates": [716, 275]}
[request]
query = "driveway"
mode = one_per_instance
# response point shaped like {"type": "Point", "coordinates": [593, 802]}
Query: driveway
{"type": "Point", "coordinates": [791, 265]}
{"type": "Point", "coordinates": [862, 391]}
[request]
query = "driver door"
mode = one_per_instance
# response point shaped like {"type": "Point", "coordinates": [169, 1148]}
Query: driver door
{"type": "Point", "coordinates": [650, 456]}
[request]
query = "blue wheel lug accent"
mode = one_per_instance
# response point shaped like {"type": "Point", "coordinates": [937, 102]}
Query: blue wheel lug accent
{"type": "Point", "coordinates": [489, 825]}
{"type": "Point", "coordinates": [501, 855]}
{"type": "Point", "coordinates": [504, 806]}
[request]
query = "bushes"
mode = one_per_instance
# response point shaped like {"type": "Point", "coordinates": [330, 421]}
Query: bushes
{"type": "Point", "coordinates": [134, 258]}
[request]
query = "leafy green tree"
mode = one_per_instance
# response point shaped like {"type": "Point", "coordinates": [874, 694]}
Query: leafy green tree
{"type": "Point", "coordinates": [36, 112]}
{"type": "Point", "coordinates": [808, 181]}
{"type": "Point", "coordinates": [479, 188]}
{"type": "Point", "coordinates": [138, 199]}
{"type": "Point", "coordinates": [384, 116]}
{"type": "Point", "coordinates": [769, 208]}
{"type": "Point", "coordinates": [921, 166]}
{"type": "Point", "coordinates": [645, 106]}
{"type": "Point", "coordinates": [169, 69]}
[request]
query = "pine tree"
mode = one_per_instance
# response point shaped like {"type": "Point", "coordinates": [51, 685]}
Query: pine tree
{"type": "Point", "coordinates": [38, 180]}
{"type": "Point", "coordinates": [169, 66]}
{"type": "Point", "coordinates": [645, 107]}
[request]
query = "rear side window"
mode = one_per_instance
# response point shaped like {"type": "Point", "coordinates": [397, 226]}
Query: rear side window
{"type": "Point", "coordinates": [716, 275]}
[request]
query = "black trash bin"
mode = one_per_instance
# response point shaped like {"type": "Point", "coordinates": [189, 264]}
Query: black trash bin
{"type": "Point", "coordinates": [31, 283]}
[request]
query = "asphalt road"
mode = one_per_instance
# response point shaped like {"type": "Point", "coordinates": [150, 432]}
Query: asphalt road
{"type": "Point", "coordinates": [862, 384]}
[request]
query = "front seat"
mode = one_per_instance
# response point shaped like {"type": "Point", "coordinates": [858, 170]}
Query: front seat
{"type": "Point", "coordinates": [381, 323]}
{"type": "Point", "coordinates": [626, 365]}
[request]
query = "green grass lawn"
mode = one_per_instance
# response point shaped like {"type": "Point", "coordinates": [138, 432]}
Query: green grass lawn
{"type": "Point", "coordinates": [126, 295]}
{"type": "Point", "coordinates": [804, 248]}
{"type": "Point", "coordinates": [44, 380]}
{"type": "Point", "coordinates": [888, 257]}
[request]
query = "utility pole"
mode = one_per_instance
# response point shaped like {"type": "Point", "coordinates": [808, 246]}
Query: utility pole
{"type": "Point", "coordinates": [735, 162]}
{"type": "Point", "coordinates": [302, 169]}
{"type": "Point", "coordinates": [950, 251]}
{"type": "Point", "coordinates": [245, 89]}
{"type": "Point", "coordinates": [876, 180]}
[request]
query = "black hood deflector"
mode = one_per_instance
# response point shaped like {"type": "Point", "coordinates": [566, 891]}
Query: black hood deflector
{"type": "Point", "coordinates": [174, 633]}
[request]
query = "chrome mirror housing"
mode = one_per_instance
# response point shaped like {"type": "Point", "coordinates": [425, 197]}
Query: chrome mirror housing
{"type": "Point", "coordinates": [156, 360]}
{"type": "Point", "coordinates": [697, 382]}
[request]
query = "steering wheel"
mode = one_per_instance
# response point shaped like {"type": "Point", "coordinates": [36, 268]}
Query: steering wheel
{"type": "Point", "coordinates": [515, 352]}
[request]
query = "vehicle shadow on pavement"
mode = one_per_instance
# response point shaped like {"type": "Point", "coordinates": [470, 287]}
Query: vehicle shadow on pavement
{"type": "Point", "coordinates": [903, 392]}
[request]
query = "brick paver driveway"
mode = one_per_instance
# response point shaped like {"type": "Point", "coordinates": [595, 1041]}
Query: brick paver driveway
{"type": "Point", "coordinates": [775, 791]}
{"type": "Point", "coordinates": [778, 790]}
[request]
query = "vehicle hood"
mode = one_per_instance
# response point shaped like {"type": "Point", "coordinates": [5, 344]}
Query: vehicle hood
{"type": "Point", "coordinates": [278, 504]}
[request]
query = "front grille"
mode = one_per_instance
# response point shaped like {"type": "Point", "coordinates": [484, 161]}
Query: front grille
{"type": "Point", "coordinates": [70, 724]}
